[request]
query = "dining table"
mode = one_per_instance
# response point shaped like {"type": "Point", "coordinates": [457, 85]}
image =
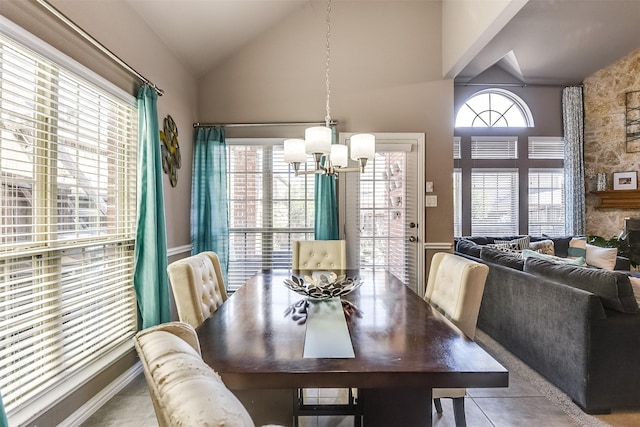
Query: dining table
{"type": "Point", "coordinates": [401, 348]}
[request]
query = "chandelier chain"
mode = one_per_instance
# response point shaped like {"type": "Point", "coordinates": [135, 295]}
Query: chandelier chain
{"type": "Point", "coordinates": [327, 82]}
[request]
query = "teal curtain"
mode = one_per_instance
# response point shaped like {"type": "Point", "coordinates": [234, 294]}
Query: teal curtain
{"type": "Point", "coordinates": [326, 204]}
{"type": "Point", "coordinates": [3, 415]}
{"type": "Point", "coordinates": [209, 205]}
{"type": "Point", "coordinates": [150, 277]}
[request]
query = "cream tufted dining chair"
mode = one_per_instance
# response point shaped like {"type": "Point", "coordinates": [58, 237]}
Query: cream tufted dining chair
{"type": "Point", "coordinates": [184, 390]}
{"type": "Point", "coordinates": [455, 287]}
{"type": "Point", "coordinates": [319, 255]}
{"type": "Point", "coordinates": [198, 287]}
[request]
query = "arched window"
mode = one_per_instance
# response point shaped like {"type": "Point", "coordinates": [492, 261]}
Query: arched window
{"type": "Point", "coordinates": [494, 108]}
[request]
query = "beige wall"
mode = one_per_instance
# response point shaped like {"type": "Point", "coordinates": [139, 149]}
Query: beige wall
{"type": "Point", "coordinates": [467, 27]}
{"type": "Point", "coordinates": [604, 138]}
{"type": "Point", "coordinates": [385, 77]}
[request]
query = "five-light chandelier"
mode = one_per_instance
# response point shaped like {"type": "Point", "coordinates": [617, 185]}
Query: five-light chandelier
{"type": "Point", "coordinates": [318, 139]}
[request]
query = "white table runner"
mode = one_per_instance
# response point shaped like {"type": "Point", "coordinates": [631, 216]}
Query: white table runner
{"type": "Point", "coordinates": [327, 335]}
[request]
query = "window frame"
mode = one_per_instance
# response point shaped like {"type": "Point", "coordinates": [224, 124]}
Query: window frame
{"type": "Point", "coordinates": [66, 265]}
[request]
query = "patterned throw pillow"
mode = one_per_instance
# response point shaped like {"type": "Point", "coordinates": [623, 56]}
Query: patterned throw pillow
{"type": "Point", "coordinates": [577, 248]}
{"type": "Point", "coordinates": [515, 244]}
{"type": "Point", "coordinates": [543, 246]}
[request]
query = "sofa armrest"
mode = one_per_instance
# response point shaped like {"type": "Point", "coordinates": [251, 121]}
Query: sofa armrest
{"type": "Point", "coordinates": [622, 263]}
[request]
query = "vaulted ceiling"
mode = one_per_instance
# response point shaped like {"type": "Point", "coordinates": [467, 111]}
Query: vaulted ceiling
{"type": "Point", "coordinates": [547, 42]}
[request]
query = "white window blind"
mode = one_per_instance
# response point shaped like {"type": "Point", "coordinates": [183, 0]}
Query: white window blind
{"type": "Point", "coordinates": [541, 147]}
{"type": "Point", "coordinates": [67, 221]}
{"type": "Point", "coordinates": [546, 202]}
{"type": "Point", "coordinates": [268, 208]}
{"type": "Point", "coordinates": [456, 147]}
{"type": "Point", "coordinates": [495, 147]}
{"type": "Point", "coordinates": [494, 201]}
{"type": "Point", "coordinates": [457, 202]}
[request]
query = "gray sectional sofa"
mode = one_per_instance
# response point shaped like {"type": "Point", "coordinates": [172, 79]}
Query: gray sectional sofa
{"type": "Point", "coordinates": [577, 326]}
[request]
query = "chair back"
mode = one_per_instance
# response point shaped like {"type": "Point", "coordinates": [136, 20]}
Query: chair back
{"type": "Point", "coordinates": [455, 286]}
{"type": "Point", "coordinates": [198, 287]}
{"type": "Point", "coordinates": [319, 255]}
{"type": "Point", "coordinates": [184, 390]}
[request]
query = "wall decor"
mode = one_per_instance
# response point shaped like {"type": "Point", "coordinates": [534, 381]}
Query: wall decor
{"type": "Point", "coordinates": [171, 159]}
{"type": "Point", "coordinates": [632, 121]}
{"type": "Point", "coordinates": [625, 181]}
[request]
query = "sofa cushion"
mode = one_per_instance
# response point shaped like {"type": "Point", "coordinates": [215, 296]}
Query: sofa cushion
{"type": "Point", "coordinates": [517, 244]}
{"type": "Point", "coordinates": [543, 246]}
{"type": "Point", "coordinates": [602, 257]}
{"type": "Point", "coordinates": [527, 253]}
{"type": "Point", "coordinates": [468, 247]}
{"type": "Point", "coordinates": [577, 248]}
{"type": "Point", "coordinates": [613, 288]}
{"type": "Point", "coordinates": [502, 258]}
{"type": "Point", "coordinates": [560, 244]}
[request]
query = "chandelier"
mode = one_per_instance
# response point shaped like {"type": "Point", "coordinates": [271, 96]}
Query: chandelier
{"type": "Point", "coordinates": [317, 140]}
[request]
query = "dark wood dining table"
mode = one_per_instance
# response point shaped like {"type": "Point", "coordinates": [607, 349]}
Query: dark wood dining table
{"type": "Point", "coordinates": [403, 349]}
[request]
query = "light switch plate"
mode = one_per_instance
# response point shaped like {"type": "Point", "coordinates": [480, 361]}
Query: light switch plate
{"type": "Point", "coordinates": [431, 201]}
{"type": "Point", "coordinates": [428, 187]}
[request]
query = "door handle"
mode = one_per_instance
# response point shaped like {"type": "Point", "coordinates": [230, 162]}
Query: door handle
{"type": "Point", "coordinates": [413, 239]}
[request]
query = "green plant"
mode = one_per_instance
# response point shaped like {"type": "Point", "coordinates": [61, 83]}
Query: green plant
{"type": "Point", "coordinates": [622, 244]}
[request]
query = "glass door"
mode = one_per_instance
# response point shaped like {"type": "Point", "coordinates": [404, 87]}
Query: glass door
{"type": "Point", "coordinates": [382, 210]}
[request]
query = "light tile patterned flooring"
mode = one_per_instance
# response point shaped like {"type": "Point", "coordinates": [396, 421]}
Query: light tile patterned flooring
{"type": "Point", "coordinates": [521, 404]}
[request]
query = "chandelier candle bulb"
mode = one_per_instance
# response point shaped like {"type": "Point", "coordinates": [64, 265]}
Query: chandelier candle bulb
{"type": "Point", "coordinates": [294, 151]}
{"type": "Point", "coordinates": [363, 146]}
{"type": "Point", "coordinates": [318, 140]}
{"type": "Point", "coordinates": [339, 155]}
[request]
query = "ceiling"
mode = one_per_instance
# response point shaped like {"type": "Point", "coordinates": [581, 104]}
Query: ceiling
{"type": "Point", "coordinates": [547, 42]}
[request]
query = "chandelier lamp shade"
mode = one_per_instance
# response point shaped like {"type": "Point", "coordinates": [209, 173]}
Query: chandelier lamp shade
{"type": "Point", "coordinates": [318, 139]}
{"type": "Point", "coordinates": [317, 143]}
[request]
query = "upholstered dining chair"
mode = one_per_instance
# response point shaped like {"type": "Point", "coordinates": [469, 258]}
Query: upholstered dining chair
{"type": "Point", "coordinates": [198, 287]}
{"type": "Point", "coordinates": [319, 255]}
{"type": "Point", "coordinates": [455, 287]}
{"type": "Point", "coordinates": [323, 255]}
{"type": "Point", "coordinates": [184, 390]}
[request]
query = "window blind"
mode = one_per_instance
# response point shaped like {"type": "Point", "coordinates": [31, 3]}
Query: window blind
{"type": "Point", "coordinates": [457, 202]}
{"type": "Point", "coordinates": [67, 221]}
{"type": "Point", "coordinates": [494, 207]}
{"type": "Point", "coordinates": [541, 147]}
{"type": "Point", "coordinates": [268, 208]}
{"type": "Point", "coordinates": [546, 202]}
{"type": "Point", "coordinates": [494, 147]}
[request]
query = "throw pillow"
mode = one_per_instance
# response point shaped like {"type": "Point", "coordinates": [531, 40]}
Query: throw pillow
{"type": "Point", "coordinates": [635, 285]}
{"type": "Point", "coordinates": [543, 246]}
{"type": "Point", "coordinates": [528, 253]}
{"type": "Point", "coordinates": [577, 248]}
{"type": "Point", "coordinates": [601, 257]}
{"type": "Point", "coordinates": [515, 244]}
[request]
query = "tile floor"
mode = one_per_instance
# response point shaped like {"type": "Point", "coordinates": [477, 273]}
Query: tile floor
{"type": "Point", "coordinates": [521, 404]}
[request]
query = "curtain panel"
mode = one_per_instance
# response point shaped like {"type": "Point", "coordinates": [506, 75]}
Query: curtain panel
{"type": "Point", "coordinates": [209, 200]}
{"type": "Point", "coordinates": [574, 194]}
{"type": "Point", "coordinates": [150, 277]}
{"type": "Point", "coordinates": [326, 204]}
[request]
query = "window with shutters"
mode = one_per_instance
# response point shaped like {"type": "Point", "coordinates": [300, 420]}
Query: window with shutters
{"type": "Point", "coordinates": [268, 207]}
{"type": "Point", "coordinates": [67, 220]}
{"type": "Point", "coordinates": [505, 181]}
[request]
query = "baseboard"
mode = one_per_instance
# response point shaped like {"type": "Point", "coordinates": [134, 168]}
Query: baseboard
{"type": "Point", "coordinates": [96, 402]}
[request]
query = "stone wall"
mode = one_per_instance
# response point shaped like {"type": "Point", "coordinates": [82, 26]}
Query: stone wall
{"type": "Point", "coordinates": [604, 139]}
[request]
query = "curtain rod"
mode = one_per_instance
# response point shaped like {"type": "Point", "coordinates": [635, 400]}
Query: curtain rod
{"type": "Point", "coordinates": [248, 125]}
{"type": "Point", "coordinates": [88, 37]}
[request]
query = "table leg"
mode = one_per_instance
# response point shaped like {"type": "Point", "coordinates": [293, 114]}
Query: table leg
{"type": "Point", "coordinates": [396, 407]}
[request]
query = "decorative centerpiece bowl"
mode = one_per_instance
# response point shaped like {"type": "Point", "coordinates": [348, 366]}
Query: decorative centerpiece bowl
{"type": "Point", "coordinates": [323, 285]}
